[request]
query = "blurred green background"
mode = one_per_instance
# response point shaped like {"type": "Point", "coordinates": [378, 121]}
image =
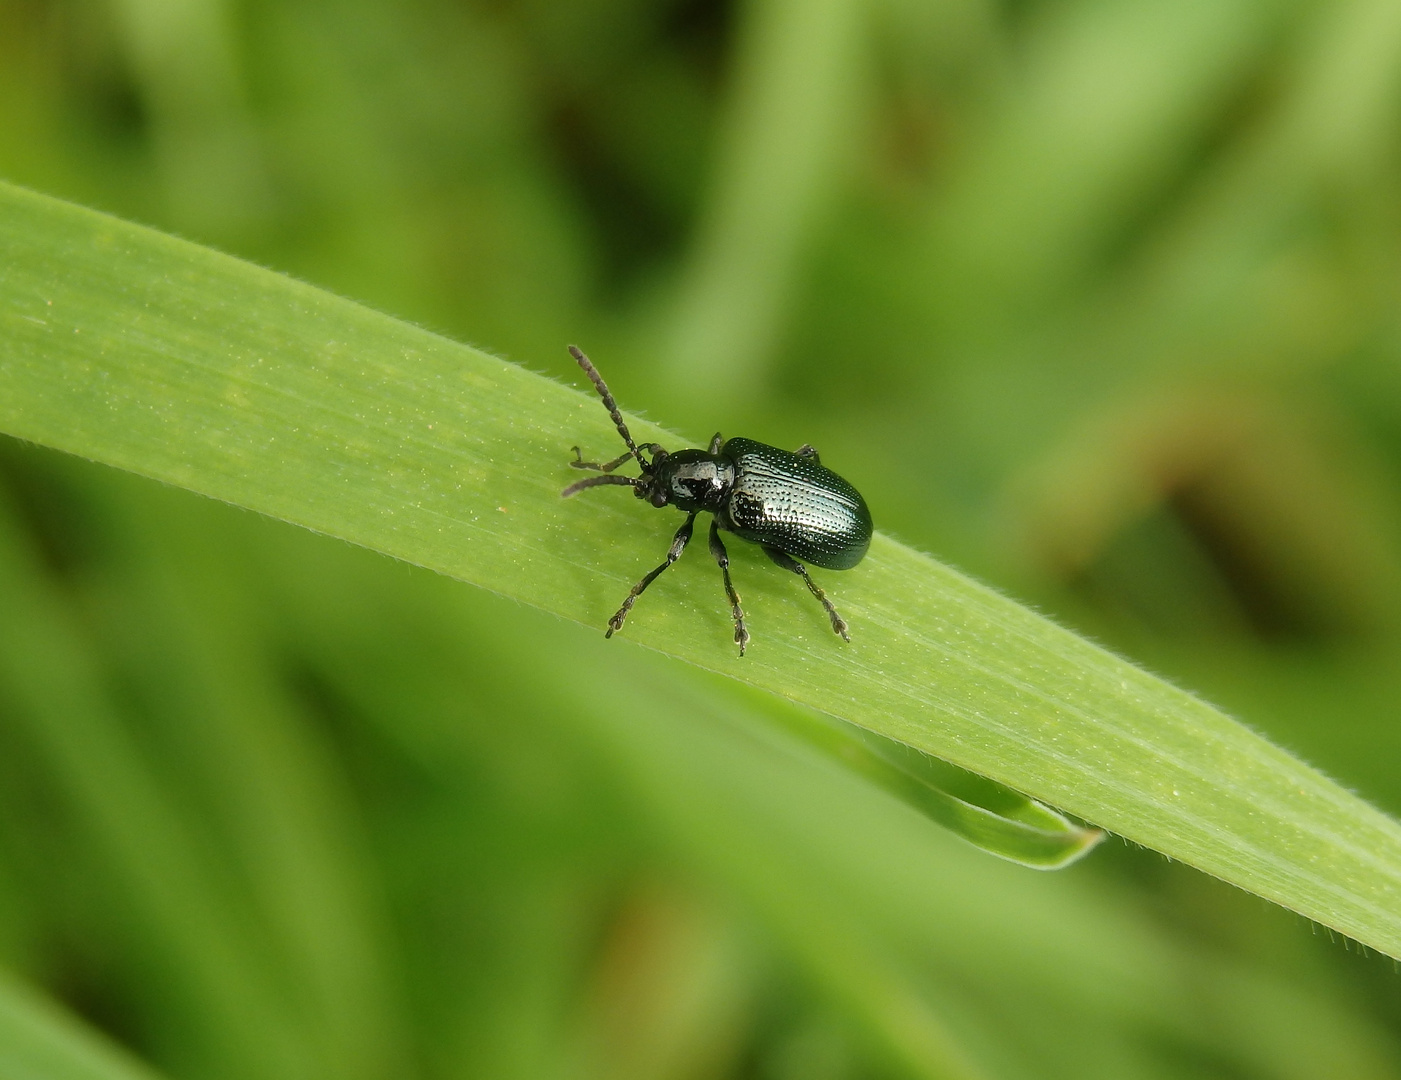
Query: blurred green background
{"type": "Point", "coordinates": [1096, 299]}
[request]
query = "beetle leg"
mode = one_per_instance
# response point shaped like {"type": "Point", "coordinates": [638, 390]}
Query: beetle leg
{"type": "Point", "coordinates": [717, 549]}
{"type": "Point", "coordinates": [807, 450]}
{"type": "Point", "coordinates": [715, 443]}
{"type": "Point", "coordinates": [678, 545]}
{"type": "Point", "coordinates": [607, 466]}
{"type": "Point", "coordinates": [789, 563]}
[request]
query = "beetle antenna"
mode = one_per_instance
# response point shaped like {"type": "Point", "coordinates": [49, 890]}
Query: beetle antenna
{"type": "Point", "coordinates": [598, 481]}
{"type": "Point", "coordinates": [608, 403]}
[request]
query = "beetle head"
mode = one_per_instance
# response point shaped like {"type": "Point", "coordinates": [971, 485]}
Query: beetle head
{"type": "Point", "coordinates": [687, 479]}
{"type": "Point", "coordinates": [654, 483]}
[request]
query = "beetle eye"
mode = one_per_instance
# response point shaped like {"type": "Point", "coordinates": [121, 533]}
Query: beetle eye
{"type": "Point", "coordinates": [659, 498]}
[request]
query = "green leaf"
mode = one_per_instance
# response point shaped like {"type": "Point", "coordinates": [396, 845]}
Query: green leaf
{"type": "Point", "coordinates": [38, 1041]}
{"type": "Point", "coordinates": [154, 355]}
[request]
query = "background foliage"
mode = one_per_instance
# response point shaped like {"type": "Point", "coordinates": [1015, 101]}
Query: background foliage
{"type": "Point", "coordinates": [1095, 299]}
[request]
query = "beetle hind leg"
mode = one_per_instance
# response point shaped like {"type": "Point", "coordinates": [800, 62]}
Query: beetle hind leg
{"type": "Point", "coordinates": [717, 549]}
{"type": "Point", "coordinates": [678, 545]}
{"type": "Point", "coordinates": [839, 626]}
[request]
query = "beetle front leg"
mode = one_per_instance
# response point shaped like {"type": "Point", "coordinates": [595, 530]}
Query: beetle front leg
{"type": "Point", "coordinates": [678, 545]}
{"type": "Point", "coordinates": [608, 466]}
{"type": "Point", "coordinates": [789, 563]}
{"type": "Point", "coordinates": [604, 467]}
{"type": "Point", "coordinates": [717, 549]}
{"type": "Point", "coordinates": [715, 443]}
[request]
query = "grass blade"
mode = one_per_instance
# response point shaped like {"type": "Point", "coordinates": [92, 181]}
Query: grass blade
{"type": "Point", "coordinates": [38, 1041]}
{"type": "Point", "coordinates": [150, 354]}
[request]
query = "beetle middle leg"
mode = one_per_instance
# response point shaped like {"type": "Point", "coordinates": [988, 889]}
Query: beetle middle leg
{"type": "Point", "coordinates": [678, 545]}
{"type": "Point", "coordinates": [789, 563]}
{"type": "Point", "coordinates": [717, 549]}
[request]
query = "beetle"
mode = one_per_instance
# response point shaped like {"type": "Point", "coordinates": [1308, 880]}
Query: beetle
{"type": "Point", "coordinates": [784, 501]}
